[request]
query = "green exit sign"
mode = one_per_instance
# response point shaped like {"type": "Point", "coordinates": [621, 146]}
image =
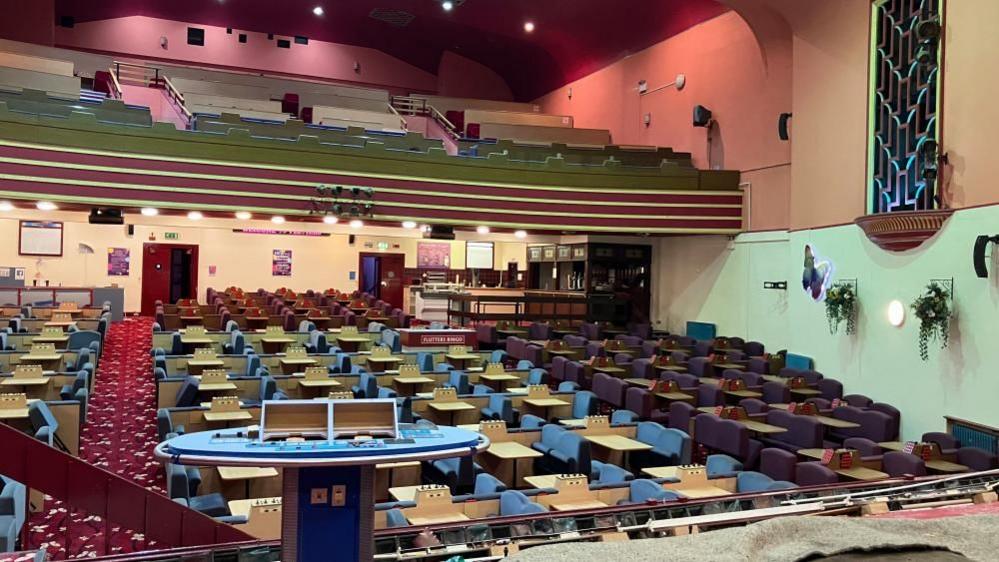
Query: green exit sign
{"type": "Point", "coordinates": [171, 235]}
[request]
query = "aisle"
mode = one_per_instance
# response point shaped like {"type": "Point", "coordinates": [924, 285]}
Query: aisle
{"type": "Point", "coordinates": [119, 435]}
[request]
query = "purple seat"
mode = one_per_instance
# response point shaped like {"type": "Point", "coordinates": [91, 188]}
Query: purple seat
{"type": "Point", "coordinates": [753, 349]}
{"type": "Point", "coordinates": [643, 403]}
{"type": "Point", "coordinates": [572, 340]}
{"type": "Point", "coordinates": [897, 463]}
{"type": "Point", "coordinates": [702, 349]}
{"type": "Point", "coordinates": [633, 341]}
{"type": "Point", "coordinates": [535, 354]}
{"type": "Point", "coordinates": [699, 367]}
{"type": "Point", "coordinates": [642, 368]}
{"type": "Point", "coordinates": [594, 349]}
{"type": "Point", "coordinates": [758, 365]}
{"type": "Point", "coordinates": [754, 381]}
{"type": "Point", "coordinates": [977, 459]}
{"type": "Point", "coordinates": [486, 336]}
{"type": "Point", "coordinates": [680, 414]}
{"type": "Point", "coordinates": [731, 374]}
{"type": "Point", "coordinates": [685, 380]}
{"type": "Point", "coordinates": [558, 367]}
{"type": "Point", "coordinates": [590, 331]}
{"type": "Point", "coordinates": [515, 347]}
{"type": "Point", "coordinates": [734, 355]}
{"type": "Point", "coordinates": [875, 426]}
{"type": "Point", "coordinates": [893, 413]}
{"type": "Point", "coordinates": [641, 330]}
{"type": "Point", "coordinates": [609, 389]}
{"type": "Point", "coordinates": [947, 442]}
{"type": "Point", "coordinates": [732, 438]}
{"type": "Point", "coordinates": [820, 403]}
{"type": "Point", "coordinates": [789, 373]}
{"type": "Point", "coordinates": [814, 474]}
{"type": "Point", "coordinates": [803, 432]}
{"type": "Point", "coordinates": [289, 321]}
{"type": "Point", "coordinates": [709, 395]}
{"type": "Point", "coordinates": [539, 331]}
{"type": "Point", "coordinates": [575, 372]}
{"type": "Point", "coordinates": [858, 400]}
{"type": "Point", "coordinates": [778, 464]}
{"type": "Point", "coordinates": [831, 389]}
{"type": "Point", "coordinates": [622, 359]}
{"type": "Point", "coordinates": [864, 446]}
{"type": "Point", "coordinates": [650, 348]}
{"type": "Point", "coordinates": [754, 406]}
{"type": "Point", "coordinates": [811, 377]}
{"type": "Point", "coordinates": [350, 318]}
{"type": "Point", "coordinates": [775, 393]}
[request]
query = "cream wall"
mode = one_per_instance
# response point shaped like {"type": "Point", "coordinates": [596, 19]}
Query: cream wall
{"type": "Point", "coordinates": [240, 259]}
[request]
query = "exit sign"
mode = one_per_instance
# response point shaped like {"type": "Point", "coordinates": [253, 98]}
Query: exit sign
{"type": "Point", "coordinates": [171, 235]}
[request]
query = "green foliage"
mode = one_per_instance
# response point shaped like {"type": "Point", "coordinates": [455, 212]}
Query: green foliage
{"type": "Point", "coordinates": [841, 306]}
{"type": "Point", "coordinates": [933, 310]}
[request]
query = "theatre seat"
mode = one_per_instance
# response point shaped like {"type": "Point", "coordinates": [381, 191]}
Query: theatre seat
{"type": "Point", "coordinates": [529, 421]}
{"type": "Point", "coordinates": [550, 434]}
{"type": "Point", "coordinates": [644, 490]}
{"type": "Point", "coordinates": [778, 463]}
{"type": "Point", "coordinates": [897, 463]}
{"type": "Point", "coordinates": [610, 474]}
{"type": "Point", "coordinates": [182, 485]}
{"type": "Point", "coordinates": [722, 466]}
{"type": "Point", "coordinates": [513, 502]}
{"type": "Point", "coordinates": [571, 455]}
{"type": "Point", "coordinates": [164, 425]}
{"type": "Point", "coordinates": [814, 474]}
{"type": "Point", "coordinates": [947, 442]}
{"type": "Point", "coordinates": [394, 518]}
{"type": "Point", "coordinates": [977, 459]}
{"type": "Point", "coordinates": [500, 408]}
{"type": "Point", "coordinates": [458, 474]}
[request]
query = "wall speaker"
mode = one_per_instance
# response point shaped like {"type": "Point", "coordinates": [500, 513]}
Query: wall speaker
{"type": "Point", "coordinates": [702, 116]}
{"type": "Point", "coordinates": [782, 131]}
{"type": "Point", "coordinates": [981, 244]}
{"type": "Point", "coordinates": [130, 229]}
{"type": "Point", "coordinates": [350, 240]}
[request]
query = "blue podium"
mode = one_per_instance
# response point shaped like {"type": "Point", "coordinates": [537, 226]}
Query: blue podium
{"type": "Point", "coordinates": [328, 450]}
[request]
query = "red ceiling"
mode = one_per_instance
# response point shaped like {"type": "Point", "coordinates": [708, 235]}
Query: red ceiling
{"type": "Point", "coordinates": [573, 37]}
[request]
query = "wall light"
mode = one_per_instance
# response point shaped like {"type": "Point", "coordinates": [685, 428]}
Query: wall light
{"type": "Point", "coordinates": [529, 26]}
{"type": "Point", "coordinates": [409, 225]}
{"type": "Point", "coordinates": [482, 229]}
{"type": "Point", "coordinates": [277, 219]}
{"type": "Point", "coordinates": [330, 219]}
{"type": "Point", "coordinates": [318, 10]}
{"type": "Point", "coordinates": [896, 313]}
{"type": "Point", "coordinates": [520, 233]}
{"type": "Point", "coordinates": [356, 223]}
{"type": "Point", "coordinates": [243, 215]}
{"type": "Point", "coordinates": [149, 211]}
{"type": "Point", "coordinates": [448, 5]}
{"type": "Point", "coordinates": [195, 215]}
{"type": "Point", "coordinates": [46, 206]}
{"type": "Point", "coordinates": [6, 206]}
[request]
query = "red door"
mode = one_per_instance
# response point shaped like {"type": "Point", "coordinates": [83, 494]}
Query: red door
{"type": "Point", "coordinates": [168, 270]}
{"type": "Point", "coordinates": [391, 269]}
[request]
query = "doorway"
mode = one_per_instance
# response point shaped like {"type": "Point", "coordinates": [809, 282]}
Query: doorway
{"type": "Point", "coordinates": [381, 276]}
{"type": "Point", "coordinates": [169, 273]}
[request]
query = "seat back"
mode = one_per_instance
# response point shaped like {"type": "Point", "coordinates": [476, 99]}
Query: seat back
{"type": "Point", "coordinates": [778, 463]}
{"type": "Point", "coordinates": [750, 481]}
{"type": "Point", "coordinates": [897, 463]}
{"type": "Point", "coordinates": [680, 414]}
{"type": "Point", "coordinates": [584, 403]}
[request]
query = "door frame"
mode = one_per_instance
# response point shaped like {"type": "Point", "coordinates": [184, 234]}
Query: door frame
{"type": "Point", "coordinates": [169, 248]}
{"type": "Point", "coordinates": [379, 255]}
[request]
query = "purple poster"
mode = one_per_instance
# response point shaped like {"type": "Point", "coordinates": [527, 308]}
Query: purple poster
{"type": "Point", "coordinates": [118, 261]}
{"type": "Point", "coordinates": [281, 265]}
{"type": "Point", "coordinates": [433, 255]}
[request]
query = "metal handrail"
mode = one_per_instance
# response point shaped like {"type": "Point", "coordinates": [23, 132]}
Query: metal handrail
{"type": "Point", "coordinates": [176, 96]}
{"type": "Point", "coordinates": [116, 85]}
{"type": "Point", "coordinates": [119, 64]}
{"type": "Point", "coordinates": [402, 120]}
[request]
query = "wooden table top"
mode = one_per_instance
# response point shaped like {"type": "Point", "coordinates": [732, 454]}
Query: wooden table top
{"type": "Point", "coordinates": [384, 359]}
{"type": "Point", "coordinates": [805, 391]}
{"type": "Point", "coordinates": [454, 517]}
{"type": "Point", "coordinates": [677, 396]}
{"type": "Point", "coordinates": [564, 352]}
{"type": "Point", "coordinates": [319, 383]}
{"type": "Point", "coordinates": [413, 380]}
{"type": "Point", "coordinates": [618, 442]}
{"type": "Point", "coordinates": [277, 339]}
{"type": "Point", "coordinates": [545, 402]}
{"type": "Point", "coordinates": [229, 473]}
{"type": "Point", "coordinates": [572, 422]}
{"type": "Point", "coordinates": [30, 358]}
{"type": "Point", "coordinates": [744, 393]}
{"type": "Point", "coordinates": [192, 340]}
{"type": "Point", "coordinates": [674, 368]}
{"type": "Point", "coordinates": [512, 450]}
{"type": "Point", "coordinates": [542, 480]}
{"type": "Point", "coordinates": [578, 504]}
{"type": "Point", "coordinates": [461, 356]}
{"type": "Point", "coordinates": [15, 381]}
{"type": "Point", "coordinates": [298, 361]}
{"type": "Point", "coordinates": [217, 386]}
{"type": "Point", "coordinates": [941, 465]}
{"type": "Point", "coordinates": [205, 362]}
{"type": "Point", "coordinates": [352, 339]}
{"type": "Point", "coordinates": [499, 377]}
{"type": "Point", "coordinates": [14, 414]}
{"type": "Point", "coordinates": [451, 406]}
{"type": "Point", "coordinates": [611, 370]}
{"type": "Point", "coordinates": [227, 416]}
{"type": "Point", "coordinates": [702, 492]}
{"type": "Point", "coordinates": [404, 493]}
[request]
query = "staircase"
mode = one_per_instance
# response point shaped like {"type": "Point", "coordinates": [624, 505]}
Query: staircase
{"type": "Point", "coordinates": [91, 96]}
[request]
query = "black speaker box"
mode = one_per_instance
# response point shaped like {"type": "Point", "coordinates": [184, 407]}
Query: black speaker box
{"type": "Point", "coordinates": [350, 239]}
{"type": "Point", "coordinates": [981, 268]}
{"type": "Point", "coordinates": [782, 131]}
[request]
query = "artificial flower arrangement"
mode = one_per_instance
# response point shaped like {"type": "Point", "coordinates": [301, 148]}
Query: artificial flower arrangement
{"type": "Point", "coordinates": [841, 306]}
{"type": "Point", "coordinates": [933, 310]}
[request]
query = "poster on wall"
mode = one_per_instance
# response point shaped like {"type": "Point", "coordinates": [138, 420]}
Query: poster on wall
{"type": "Point", "coordinates": [281, 264]}
{"type": "Point", "coordinates": [433, 255]}
{"type": "Point", "coordinates": [816, 275]}
{"type": "Point", "coordinates": [118, 261]}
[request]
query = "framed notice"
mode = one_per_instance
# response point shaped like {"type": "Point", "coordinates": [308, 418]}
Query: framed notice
{"type": "Point", "coordinates": [433, 255]}
{"type": "Point", "coordinates": [118, 261]}
{"type": "Point", "coordinates": [281, 264]}
{"type": "Point", "coordinates": [40, 238]}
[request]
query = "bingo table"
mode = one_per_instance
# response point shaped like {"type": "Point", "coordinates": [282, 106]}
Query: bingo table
{"type": "Point", "coordinates": [328, 450]}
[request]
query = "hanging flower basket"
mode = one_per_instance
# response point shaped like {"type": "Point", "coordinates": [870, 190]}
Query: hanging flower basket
{"type": "Point", "coordinates": [841, 306]}
{"type": "Point", "coordinates": [934, 311]}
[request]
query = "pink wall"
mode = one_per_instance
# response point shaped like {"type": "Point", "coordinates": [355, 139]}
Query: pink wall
{"type": "Point", "coordinates": [461, 77]}
{"type": "Point", "coordinates": [34, 21]}
{"type": "Point", "coordinates": [140, 36]}
{"type": "Point", "coordinates": [725, 72]}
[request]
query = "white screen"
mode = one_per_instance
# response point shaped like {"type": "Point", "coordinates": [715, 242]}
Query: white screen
{"type": "Point", "coordinates": [479, 255]}
{"type": "Point", "coordinates": [41, 238]}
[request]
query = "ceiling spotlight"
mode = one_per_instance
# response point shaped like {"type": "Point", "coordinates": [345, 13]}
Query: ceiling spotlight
{"type": "Point", "coordinates": [46, 206]}
{"type": "Point", "coordinates": [149, 212]}
{"type": "Point", "coordinates": [408, 225]}
{"type": "Point", "coordinates": [529, 26]}
{"type": "Point", "coordinates": [243, 215]}
{"type": "Point", "coordinates": [520, 233]}
{"type": "Point", "coordinates": [195, 215]}
{"type": "Point", "coordinates": [6, 206]}
{"type": "Point", "coordinates": [277, 219]}
{"type": "Point", "coordinates": [482, 229]}
{"type": "Point", "coordinates": [447, 5]}
{"type": "Point", "coordinates": [425, 228]}
{"type": "Point", "coordinates": [318, 10]}
{"type": "Point", "coordinates": [356, 223]}
{"type": "Point", "coordinates": [330, 219]}
{"type": "Point", "coordinates": [355, 210]}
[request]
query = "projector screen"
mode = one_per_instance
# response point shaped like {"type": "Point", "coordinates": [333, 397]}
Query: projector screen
{"type": "Point", "coordinates": [479, 255]}
{"type": "Point", "coordinates": [40, 238]}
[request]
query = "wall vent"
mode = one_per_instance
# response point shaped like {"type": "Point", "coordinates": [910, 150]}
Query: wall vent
{"type": "Point", "coordinates": [395, 18]}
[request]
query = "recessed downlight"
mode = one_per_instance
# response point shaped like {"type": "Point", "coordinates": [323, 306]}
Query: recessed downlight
{"type": "Point", "coordinates": [6, 206]}
{"type": "Point", "coordinates": [318, 10]}
{"type": "Point", "coordinates": [409, 225]}
{"type": "Point", "coordinates": [482, 229]}
{"type": "Point", "coordinates": [277, 219]}
{"type": "Point", "coordinates": [195, 215]}
{"type": "Point", "coordinates": [330, 219]}
{"type": "Point", "coordinates": [149, 211]}
{"type": "Point", "coordinates": [356, 223]}
{"type": "Point", "coordinates": [529, 26]}
{"type": "Point", "coordinates": [46, 206]}
{"type": "Point", "coordinates": [244, 215]}
{"type": "Point", "coordinates": [520, 233]}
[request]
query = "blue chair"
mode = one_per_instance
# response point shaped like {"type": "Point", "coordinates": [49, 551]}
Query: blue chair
{"type": "Point", "coordinates": [44, 424]}
{"type": "Point", "coordinates": [459, 381]}
{"type": "Point", "coordinates": [670, 447]}
{"type": "Point", "coordinates": [584, 403]}
{"type": "Point", "coordinates": [567, 386]}
{"type": "Point", "coordinates": [780, 485]}
{"type": "Point", "coordinates": [500, 408]}
{"type": "Point", "coordinates": [374, 327]}
{"type": "Point", "coordinates": [550, 434]}
{"type": "Point", "coordinates": [182, 486]}
{"type": "Point", "coordinates": [425, 361]}
{"type": "Point", "coordinates": [384, 392]}
{"type": "Point", "coordinates": [497, 356]}
{"type": "Point", "coordinates": [236, 344]}
{"type": "Point", "coordinates": [623, 417]}
{"type": "Point", "coordinates": [3, 341]}
{"type": "Point", "coordinates": [643, 490]}
{"type": "Point", "coordinates": [13, 513]}
{"type": "Point", "coordinates": [164, 425]}
{"type": "Point", "coordinates": [176, 345]}
{"type": "Point", "coordinates": [458, 473]}
{"type": "Point", "coordinates": [571, 455]}
{"type": "Point", "coordinates": [82, 339]}
{"type": "Point", "coordinates": [486, 483]}
{"type": "Point", "coordinates": [367, 386]}
{"type": "Point", "coordinates": [342, 364]}
{"type": "Point", "coordinates": [317, 342]}
{"type": "Point", "coordinates": [231, 326]}
{"type": "Point", "coordinates": [524, 365]}
{"type": "Point", "coordinates": [159, 373]}
{"type": "Point", "coordinates": [437, 325]}
{"type": "Point", "coordinates": [749, 481]}
{"type": "Point", "coordinates": [610, 474]}
{"type": "Point", "coordinates": [82, 358]}
{"type": "Point", "coordinates": [252, 366]}
{"type": "Point", "coordinates": [394, 518]}
{"type": "Point", "coordinates": [537, 376]}
{"type": "Point", "coordinates": [187, 395]}
{"type": "Point", "coordinates": [722, 466]}
{"type": "Point", "coordinates": [481, 390]}
{"type": "Point", "coordinates": [306, 326]}
{"type": "Point", "coordinates": [530, 421]}
{"type": "Point", "coordinates": [69, 390]}
{"type": "Point", "coordinates": [513, 502]}
{"type": "Point", "coordinates": [443, 368]}
{"type": "Point", "coordinates": [392, 340]}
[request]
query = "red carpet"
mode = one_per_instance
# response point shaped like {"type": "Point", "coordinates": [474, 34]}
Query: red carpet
{"type": "Point", "coordinates": [119, 435]}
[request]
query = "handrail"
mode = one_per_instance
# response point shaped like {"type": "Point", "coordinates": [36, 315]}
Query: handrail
{"type": "Point", "coordinates": [444, 122]}
{"type": "Point", "coordinates": [116, 84]}
{"type": "Point", "coordinates": [119, 64]}
{"type": "Point", "coordinates": [176, 96]}
{"type": "Point", "coordinates": [402, 120]}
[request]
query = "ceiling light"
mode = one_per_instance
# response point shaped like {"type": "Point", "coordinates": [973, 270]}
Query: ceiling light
{"type": "Point", "coordinates": [243, 215]}
{"type": "Point", "coordinates": [277, 219]}
{"type": "Point", "coordinates": [318, 10]}
{"type": "Point", "coordinates": [149, 211]}
{"type": "Point", "coordinates": [6, 206]}
{"type": "Point", "coordinates": [447, 5]}
{"type": "Point", "coordinates": [356, 223]}
{"type": "Point", "coordinates": [330, 219]}
{"type": "Point", "coordinates": [46, 206]}
{"type": "Point", "coordinates": [482, 229]}
{"type": "Point", "coordinates": [529, 26]}
{"type": "Point", "coordinates": [408, 224]}
{"type": "Point", "coordinates": [520, 233]}
{"type": "Point", "coordinates": [425, 228]}
{"type": "Point", "coordinates": [195, 215]}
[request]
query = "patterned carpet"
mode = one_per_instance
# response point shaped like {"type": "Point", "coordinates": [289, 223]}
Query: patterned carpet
{"type": "Point", "coordinates": [119, 435]}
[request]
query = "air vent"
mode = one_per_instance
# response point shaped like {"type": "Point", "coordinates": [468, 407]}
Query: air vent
{"type": "Point", "coordinates": [395, 18]}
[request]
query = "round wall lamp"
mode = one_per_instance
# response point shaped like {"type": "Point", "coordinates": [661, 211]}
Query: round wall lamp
{"type": "Point", "coordinates": [896, 313]}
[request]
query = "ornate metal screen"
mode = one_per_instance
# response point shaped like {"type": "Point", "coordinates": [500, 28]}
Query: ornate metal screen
{"type": "Point", "coordinates": [905, 95]}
